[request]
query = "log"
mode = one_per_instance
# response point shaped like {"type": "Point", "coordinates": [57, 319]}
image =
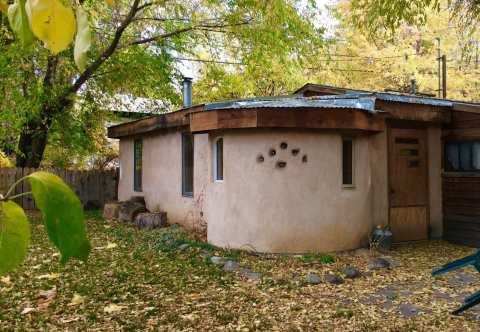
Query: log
{"type": "Point", "coordinates": [151, 220]}
{"type": "Point", "coordinates": [110, 211]}
{"type": "Point", "coordinates": [128, 211]}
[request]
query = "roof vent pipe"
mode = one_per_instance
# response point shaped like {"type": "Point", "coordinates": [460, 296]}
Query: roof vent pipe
{"type": "Point", "coordinates": [413, 86]}
{"type": "Point", "coordinates": [187, 91]}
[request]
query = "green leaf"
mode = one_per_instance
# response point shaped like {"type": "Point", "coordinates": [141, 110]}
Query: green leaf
{"type": "Point", "coordinates": [14, 236]}
{"type": "Point", "coordinates": [83, 40]}
{"type": "Point", "coordinates": [52, 23]}
{"type": "Point", "coordinates": [17, 17]}
{"type": "Point", "coordinates": [63, 215]}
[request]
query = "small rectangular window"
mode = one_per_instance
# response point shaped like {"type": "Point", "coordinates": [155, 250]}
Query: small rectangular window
{"type": "Point", "coordinates": [347, 162]}
{"type": "Point", "coordinates": [218, 156]}
{"type": "Point", "coordinates": [187, 164]}
{"type": "Point", "coordinates": [137, 164]}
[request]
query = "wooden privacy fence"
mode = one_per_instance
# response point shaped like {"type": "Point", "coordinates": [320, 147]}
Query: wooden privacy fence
{"type": "Point", "coordinates": [94, 188]}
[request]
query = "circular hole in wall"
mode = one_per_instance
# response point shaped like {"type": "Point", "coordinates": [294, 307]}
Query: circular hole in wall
{"type": "Point", "coordinates": [283, 145]}
{"type": "Point", "coordinates": [304, 158]}
{"type": "Point", "coordinates": [281, 164]}
{"type": "Point", "coordinates": [295, 151]}
{"type": "Point", "coordinates": [260, 159]}
{"type": "Point", "coordinates": [272, 152]}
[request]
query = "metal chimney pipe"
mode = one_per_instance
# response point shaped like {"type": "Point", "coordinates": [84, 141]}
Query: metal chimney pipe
{"type": "Point", "coordinates": [187, 91]}
{"type": "Point", "coordinates": [413, 86]}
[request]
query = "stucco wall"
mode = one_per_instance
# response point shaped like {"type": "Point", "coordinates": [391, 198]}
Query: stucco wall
{"type": "Point", "coordinates": [435, 181]}
{"type": "Point", "coordinates": [162, 176]}
{"type": "Point", "coordinates": [379, 168]}
{"type": "Point", "coordinates": [299, 208]}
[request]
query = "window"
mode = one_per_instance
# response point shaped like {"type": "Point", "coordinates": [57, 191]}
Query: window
{"type": "Point", "coordinates": [187, 164]}
{"type": "Point", "coordinates": [137, 164]}
{"type": "Point", "coordinates": [218, 159]}
{"type": "Point", "coordinates": [462, 156]}
{"type": "Point", "coordinates": [347, 162]}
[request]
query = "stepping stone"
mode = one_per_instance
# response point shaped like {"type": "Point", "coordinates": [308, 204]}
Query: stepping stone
{"type": "Point", "coordinates": [387, 305]}
{"type": "Point", "coordinates": [249, 274]}
{"type": "Point", "coordinates": [351, 272]}
{"type": "Point", "coordinates": [461, 278]}
{"type": "Point", "coordinates": [389, 292]}
{"type": "Point", "coordinates": [217, 260]}
{"type": "Point", "coordinates": [231, 266]}
{"type": "Point", "coordinates": [378, 263]}
{"type": "Point", "coordinates": [313, 278]}
{"type": "Point", "coordinates": [333, 279]}
{"type": "Point", "coordinates": [410, 310]}
{"type": "Point", "coordinates": [183, 247]}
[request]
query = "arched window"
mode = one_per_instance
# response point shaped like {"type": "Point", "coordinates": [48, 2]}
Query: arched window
{"type": "Point", "coordinates": [218, 159]}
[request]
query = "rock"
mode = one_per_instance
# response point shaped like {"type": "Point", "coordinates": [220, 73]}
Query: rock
{"type": "Point", "coordinates": [110, 211]}
{"type": "Point", "coordinates": [151, 220]}
{"type": "Point", "coordinates": [378, 263]}
{"type": "Point", "coordinates": [351, 272]}
{"type": "Point", "coordinates": [410, 310]}
{"type": "Point", "coordinates": [313, 278]}
{"type": "Point", "coordinates": [250, 274]}
{"type": "Point", "coordinates": [217, 260]}
{"type": "Point", "coordinates": [183, 247]}
{"type": "Point", "coordinates": [128, 211]}
{"type": "Point", "coordinates": [231, 266]}
{"type": "Point", "coordinates": [333, 279]}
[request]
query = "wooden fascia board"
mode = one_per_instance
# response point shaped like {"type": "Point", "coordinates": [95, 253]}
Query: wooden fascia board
{"type": "Point", "coordinates": [142, 126]}
{"type": "Point", "coordinates": [470, 108]}
{"type": "Point", "coordinates": [344, 119]}
{"type": "Point", "coordinates": [415, 112]}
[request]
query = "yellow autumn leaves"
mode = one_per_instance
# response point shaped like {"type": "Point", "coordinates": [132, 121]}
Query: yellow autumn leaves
{"type": "Point", "coordinates": [54, 24]}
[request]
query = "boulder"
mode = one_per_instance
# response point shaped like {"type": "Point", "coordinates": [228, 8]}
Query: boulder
{"type": "Point", "coordinates": [217, 260]}
{"type": "Point", "coordinates": [110, 211]}
{"type": "Point", "coordinates": [128, 210]}
{"type": "Point", "coordinates": [151, 220]}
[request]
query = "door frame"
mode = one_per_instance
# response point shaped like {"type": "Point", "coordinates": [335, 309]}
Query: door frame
{"type": "Point", "coordinates": [406, 124]}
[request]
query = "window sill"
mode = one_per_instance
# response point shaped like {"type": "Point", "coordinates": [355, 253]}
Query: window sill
{"type": "Point", "coordinates": [187, 195]}
{"type": "Point", "coordinates": [461, 174]}
{"type": "Point", "coordinates": [218, 181]}
{"type": "Point", "coordinates": [348, 186]}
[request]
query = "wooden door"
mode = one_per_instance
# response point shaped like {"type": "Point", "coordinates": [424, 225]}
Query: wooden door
{"type": "Point", "coordinates": [408, 181]}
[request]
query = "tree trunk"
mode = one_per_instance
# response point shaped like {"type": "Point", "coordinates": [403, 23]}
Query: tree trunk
{"type": "Point", "coordinates": [31, 144]}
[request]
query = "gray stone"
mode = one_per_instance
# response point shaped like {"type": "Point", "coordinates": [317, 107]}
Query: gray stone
{"type": "Point", "coordinates": [378, 263]}
{"type": "Point", "coordinates": [250, 274]}
{"type": "Point", "coordinates": [390, 292]}
{"type": "Point", "coordinates": [217, 260]}
{"type": "Point", "coordinates": [183, 247]}
{"type": "Point", "coordinates": [231, 266]}
{"type": "Point", "coordinates": [333, 279]}
{"type": "Point", "coordinates": [110, 211]}
{"type": "Point", "coordinates": [128, 211]}
{"type": "Point", "coordinates": [410, 310]}
{"type": "Point", "coordinates": [151, 220]}
{"type": "Point", "coordinates": [351, 272]}
{"type": "Point", "coordinates": [313, 278]}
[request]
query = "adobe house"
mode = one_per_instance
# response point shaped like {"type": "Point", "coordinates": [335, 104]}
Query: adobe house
{"type": "Point", "coordinates": [312, 171]}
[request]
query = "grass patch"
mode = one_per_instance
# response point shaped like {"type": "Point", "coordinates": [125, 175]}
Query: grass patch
{"type": "Point", "coordinates": [318, 258]}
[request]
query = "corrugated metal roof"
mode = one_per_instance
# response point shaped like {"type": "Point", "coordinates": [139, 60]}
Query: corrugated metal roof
{"type": "Point", "coordinates": [365, 103]}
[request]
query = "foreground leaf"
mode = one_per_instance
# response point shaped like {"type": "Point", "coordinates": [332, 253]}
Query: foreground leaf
{"type": "Point", "coordinates": [14, 236]}
{"type": "Point", "coordinates": [17, 17]}
{"type": "Point", "coordinates": [83, 40]}
{"type": "Point", "coordinates": [63, 215]}
{"type": "Point", "coordinates": [3, 6]}
{"type": "Point", "coordinates": [52, 23]}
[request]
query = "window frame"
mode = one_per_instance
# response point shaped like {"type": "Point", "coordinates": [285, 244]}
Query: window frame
{"type": "Point", "coordinates": [137, 178]}
{"type": "Point", "coordinates": [215, 159]}
{"type": "Point", "coordinates": [458, 143]}
{"type": "Point", "coordinates": [353, 163]}
{"type": "Point", "coordinates": [186, 193]}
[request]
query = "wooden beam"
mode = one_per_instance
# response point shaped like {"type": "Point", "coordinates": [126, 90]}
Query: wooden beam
{"type": "Point", "coordinates": [471, 108]}
{"type": "Point", "coordinates": [415, 112]}
{"type": "Point", "coordinates": [153, 123]}
{"type": "Point", "coordinates": [341, 119]}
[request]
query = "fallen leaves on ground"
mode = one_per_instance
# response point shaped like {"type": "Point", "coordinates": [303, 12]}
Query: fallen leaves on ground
{"type": "Point", "coordinates": [147, 284]}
